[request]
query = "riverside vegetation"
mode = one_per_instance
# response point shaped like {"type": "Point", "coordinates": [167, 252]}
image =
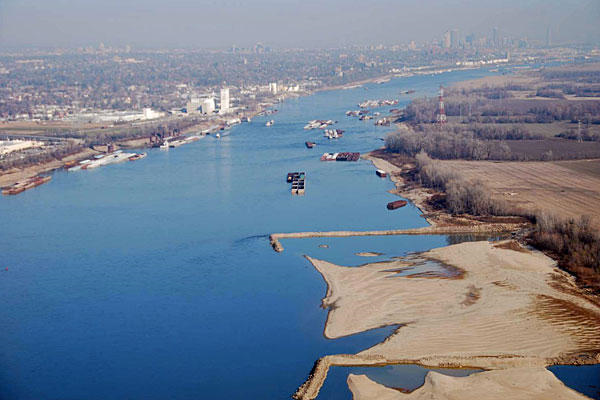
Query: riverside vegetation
{"type": "Point", "coordinates": [574, 243]}
{"type": "Point", "coordinates": [549, 114]}
{"type": "Point", "coordinates": [543, 115]}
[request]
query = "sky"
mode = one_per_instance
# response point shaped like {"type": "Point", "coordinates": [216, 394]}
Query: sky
{"type": "Point", "coordinates": [285, 23]}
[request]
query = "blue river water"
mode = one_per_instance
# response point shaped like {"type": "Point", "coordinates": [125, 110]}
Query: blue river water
{"type": "Point", "coordinates": [154, 279]}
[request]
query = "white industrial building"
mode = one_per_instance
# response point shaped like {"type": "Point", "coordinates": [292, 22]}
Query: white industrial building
{"type": "Point", "coordinates": [273, 87]}
{"type": "Point", "coordinates": [193, 105]}
{"type": "Point", "coordinates": [208, 106]}
{"type": "Point", "coordinates": [224, 101]}
{"type": "Point", "coordinates": [151, 114]}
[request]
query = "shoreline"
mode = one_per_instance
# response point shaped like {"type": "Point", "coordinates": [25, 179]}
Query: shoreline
{"type": "Point", "coordinates": [15, 175]}
{"type": "Point", "coordinates": [10, 178]}
{"type": "Point", "coordinates": [545, 294]}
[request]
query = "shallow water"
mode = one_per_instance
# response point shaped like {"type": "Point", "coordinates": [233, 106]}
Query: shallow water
{"type": "Point", "coordinates": [154, 279]}
{"type": "Point", "coordinates": [405, 376]}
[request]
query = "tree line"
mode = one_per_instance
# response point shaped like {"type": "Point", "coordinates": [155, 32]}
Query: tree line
{"type": "Point", "coordinates": [573, 242]}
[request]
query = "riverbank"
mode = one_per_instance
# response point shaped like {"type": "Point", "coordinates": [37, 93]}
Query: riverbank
{"type": "Point", "coordinates": [503, 291]}
{"type": "Point", "coordinates": [15, 175]}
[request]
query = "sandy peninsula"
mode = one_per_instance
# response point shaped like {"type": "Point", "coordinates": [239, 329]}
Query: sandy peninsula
{"type": "Point", "coordinates": [508, 308]}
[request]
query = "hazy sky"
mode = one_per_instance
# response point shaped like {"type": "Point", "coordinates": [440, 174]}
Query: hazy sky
{"type": "Point", "coordinates": [306, 23]}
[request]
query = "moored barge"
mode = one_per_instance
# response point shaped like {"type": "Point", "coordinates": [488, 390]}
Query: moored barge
{"type": "Point", "coordinates": [26, 184]}
{"type": "Point", "coordinates": [344, 156]}
{"type": "Point", "coordinates": [396, 204]}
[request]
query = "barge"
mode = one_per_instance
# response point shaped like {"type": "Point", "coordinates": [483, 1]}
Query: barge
{"type": "Point", "coordinates": [136, 157]}
{"type": "Point", "coordinates": [319, 124]}
{"type": "Point", "coordinates": [344, 156]}
{"type": "Point", "coordinates": [26, 184]}
{"type": "Point", "coordinates": [396, 204]}
{"type": "Point", "coordinates": [333, 133]}
{"type": "Point", "coordinates": [298, 181]}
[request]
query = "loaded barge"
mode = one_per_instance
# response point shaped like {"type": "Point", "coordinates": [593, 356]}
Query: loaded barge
{"type": "Point", "coordinates": [298, 181]}
{"type": "Point", "coordinates": [340, 156]}
{"type": "Point", "coordinates": [26, 184]}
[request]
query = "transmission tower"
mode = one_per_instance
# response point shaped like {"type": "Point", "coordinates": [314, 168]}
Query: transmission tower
{"type": "Point", "coordinates": [441, 117]}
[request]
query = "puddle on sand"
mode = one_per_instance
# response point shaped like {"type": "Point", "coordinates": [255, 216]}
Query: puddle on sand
{"type": "Point", "coordinates": [421, 267]}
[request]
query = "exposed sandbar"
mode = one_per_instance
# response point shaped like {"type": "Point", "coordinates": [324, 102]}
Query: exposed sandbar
{"type": "Point", "coordinates": [275, 238]}
{"type": "Point", "coordinates": [508, 309]}
{"type": "Point", "coordinates": [514, 383]}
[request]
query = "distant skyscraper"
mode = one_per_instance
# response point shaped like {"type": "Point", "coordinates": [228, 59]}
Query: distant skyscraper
{"type": "Point", "coordinates": [446, 40]}
{"type": "Point", "coordinates": [224, 100]}
{"type": "Point", "coordinates": [412, 45]}
{"type": "Point", "coordinates": [495, 37]}
{"type": "Point", "coordinates": [454, 38]}
{"type": "Point", "coordinates": [470, 40]}
{"type": "Point", "coordinates": [548, 37]}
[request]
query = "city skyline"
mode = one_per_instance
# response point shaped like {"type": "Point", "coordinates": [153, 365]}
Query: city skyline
{"type": "Point", "coordinates": [185, 24]}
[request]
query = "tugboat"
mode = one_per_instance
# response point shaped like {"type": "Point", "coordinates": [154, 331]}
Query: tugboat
{"type": "Point", "coordinates": [309, 145]}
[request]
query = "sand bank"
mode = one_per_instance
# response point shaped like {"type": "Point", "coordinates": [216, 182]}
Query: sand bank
{"type": "Point", "coordinates": [514, 383]}
{"type": "Point", "coordinates": [509, 308]}
{"type": "Point", "coordinates": [482, 228]}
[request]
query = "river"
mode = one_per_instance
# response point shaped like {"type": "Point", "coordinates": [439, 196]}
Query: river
{"type": "Point", "coordinates": [154, 279]}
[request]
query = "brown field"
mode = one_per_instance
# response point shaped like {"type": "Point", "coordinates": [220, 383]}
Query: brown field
{"type": "Point", "coordinates": [556, 149]}
{"type": "Point", "coordinates": [43, 127]}
{"type": "Point", "coordinates": [565, 188]}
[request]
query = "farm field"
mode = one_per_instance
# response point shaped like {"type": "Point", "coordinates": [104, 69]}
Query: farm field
{"type": "Point", "coordinates": [565, 188]}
